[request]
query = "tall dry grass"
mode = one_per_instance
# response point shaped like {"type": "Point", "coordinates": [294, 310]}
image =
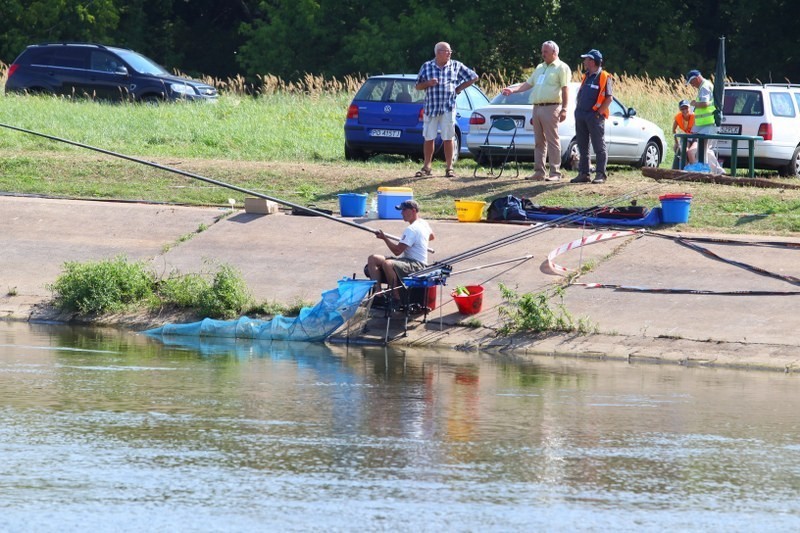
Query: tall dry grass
{"type": "Point", "coordinates": [642, 92]}
{"type": "Point", "coordinates": [654, 98]}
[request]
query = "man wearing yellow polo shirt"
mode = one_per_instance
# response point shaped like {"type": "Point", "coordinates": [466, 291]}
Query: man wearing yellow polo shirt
{"type": "Point", "coordinates": [550, 93]}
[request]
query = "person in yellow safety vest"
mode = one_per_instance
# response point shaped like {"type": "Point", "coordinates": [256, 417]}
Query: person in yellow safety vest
{"type": "Point", "coordinates": [704, 117]}
{"type": "Point", "coordinates": [684, 121]}
{"type": "Point", "coordinates": [591, 112]}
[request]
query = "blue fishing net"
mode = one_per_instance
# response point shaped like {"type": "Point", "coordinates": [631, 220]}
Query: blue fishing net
{"type": "Point", "coordinates": [313, 324]}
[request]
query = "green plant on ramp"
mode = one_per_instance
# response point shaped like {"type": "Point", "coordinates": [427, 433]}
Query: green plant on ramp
{"type": "Point", "coordinates": [536, 313]}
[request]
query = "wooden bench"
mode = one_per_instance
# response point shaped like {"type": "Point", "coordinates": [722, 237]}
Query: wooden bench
{"type": "Point", "coordinates": [734, 139]}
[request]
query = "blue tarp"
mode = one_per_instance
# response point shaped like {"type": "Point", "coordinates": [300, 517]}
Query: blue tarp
{"type": "Point", "coordinates": [313, 324]}
{"type": "Point", "coordinates": [653, 218]}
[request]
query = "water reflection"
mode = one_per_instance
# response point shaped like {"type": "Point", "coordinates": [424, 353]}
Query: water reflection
{"type": "Point", "coordinates": [228, 435]}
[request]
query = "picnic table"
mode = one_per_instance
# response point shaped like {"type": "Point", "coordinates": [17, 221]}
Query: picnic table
{"type": "Point", "coordinates": [702, 138]}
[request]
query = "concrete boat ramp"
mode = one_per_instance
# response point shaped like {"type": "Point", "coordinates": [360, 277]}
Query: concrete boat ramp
{"type": "Point", "coordinates": [287, 258]}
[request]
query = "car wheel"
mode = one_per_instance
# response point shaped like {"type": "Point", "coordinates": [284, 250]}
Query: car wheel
{"type": "Point", "coordinates": [456, 147]}
{"type": "Point", "coordinates": [571, 157]}
{"type": "Point", "coordinates": [150, 99]}
{"type": "Point", "coordinates": [792, 170]}
{"type": "Point", "coordinates": [353, 154]}
{"type": "Point", "coordinates": [651, 157]}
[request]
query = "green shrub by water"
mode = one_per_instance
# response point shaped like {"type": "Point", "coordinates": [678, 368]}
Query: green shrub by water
{"type": "Point", "coordinates": [227, 295]}
{"type": "Point", "coordinates": [114, 285]}
{"type": "Point", "coordinates": [536, 313]}
{"type": "Point", "coordinates": [183, 290]}
{"type": "Point", "coordinates": [105, 286]}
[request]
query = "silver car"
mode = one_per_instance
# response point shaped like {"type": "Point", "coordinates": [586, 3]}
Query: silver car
{"type": "Point", "coordinates": [630, 140]}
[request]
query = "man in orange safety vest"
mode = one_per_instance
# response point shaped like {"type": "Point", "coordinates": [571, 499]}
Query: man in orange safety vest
{"type": "Point", "coordinates": [591, 112]}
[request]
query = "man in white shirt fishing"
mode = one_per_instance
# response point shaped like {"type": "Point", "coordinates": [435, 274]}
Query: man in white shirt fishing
{"type": "Point", "coordinates": [410, 253]}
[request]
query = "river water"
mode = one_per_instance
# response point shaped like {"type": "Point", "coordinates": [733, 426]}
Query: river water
{"type": "Point", "coordinates": [103, 430]}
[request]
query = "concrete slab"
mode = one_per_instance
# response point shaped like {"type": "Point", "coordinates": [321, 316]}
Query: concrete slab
{"type": "Point", "coordinates": [285, 258]}
{"type": "Point", "coordinates": [38, 236]}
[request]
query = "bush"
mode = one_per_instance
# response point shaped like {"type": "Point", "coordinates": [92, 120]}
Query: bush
{"type": "Point", "coordinates": [105, 286]}
{"type": "Point", "coordinates": [532, 312]}
{"type": "Point", "coordinates": [227, 296]}
{"type": "Point", "coordinates": [183, 291]}
{"type": "Point", "coordinates": [113, 285]}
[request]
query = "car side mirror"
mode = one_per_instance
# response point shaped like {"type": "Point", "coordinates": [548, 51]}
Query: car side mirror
{"type": "Point", "coordinates": [631, 112]}
{"type": "Point", "coordinates": [121, 70]}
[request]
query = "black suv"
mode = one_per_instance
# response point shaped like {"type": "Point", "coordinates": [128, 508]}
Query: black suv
{"type": "Point", "coordinates": [97, 71]}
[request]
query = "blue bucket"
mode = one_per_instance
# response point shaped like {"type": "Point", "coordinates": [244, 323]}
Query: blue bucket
{"type": "Point", "coordinates": [353, 204]}
{"type": "Point", "coordinates": [675, 208]}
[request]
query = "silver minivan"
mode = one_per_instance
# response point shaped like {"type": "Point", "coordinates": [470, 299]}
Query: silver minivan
{"type": "Point", "coordinates": [770, 111]}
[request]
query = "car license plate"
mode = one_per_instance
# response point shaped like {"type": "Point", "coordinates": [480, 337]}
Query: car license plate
{"type": "Point", "coordinates": [730, 129]}
{"type": "Point", "coordinates": [384, 133]}
{"type": "Point", "coordinates": [519, 122]}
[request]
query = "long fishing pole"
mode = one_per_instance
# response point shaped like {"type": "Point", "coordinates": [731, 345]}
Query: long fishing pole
{"type": "Point", "coordinates": [490, 265]}
{"type": "Point", "coordinates": [534, 230]}
{"type": "Point", "coordinates": [205, 179]}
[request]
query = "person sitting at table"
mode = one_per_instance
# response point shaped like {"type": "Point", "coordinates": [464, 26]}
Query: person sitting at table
{"type": "Point", "coordinates": [684, 121]}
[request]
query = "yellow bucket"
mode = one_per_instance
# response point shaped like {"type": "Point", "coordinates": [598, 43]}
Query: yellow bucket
{"type": "Point", "coordinates": [469, 210]}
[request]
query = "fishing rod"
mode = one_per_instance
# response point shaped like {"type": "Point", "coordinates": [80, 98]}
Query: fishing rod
{"type": "Point", "coordinates": [205, 179]}
{"type": "Point", "coordinates": [490, 265]}
{"type": "Point", "coordinates": [534, 230]}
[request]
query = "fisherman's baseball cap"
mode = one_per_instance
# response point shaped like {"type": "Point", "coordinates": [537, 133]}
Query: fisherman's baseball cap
{"type": "Point", "coordinates": [692, 75]}
{"type": "Point", "coordinates": [683, 103]}
{"type": "Point", "coordinates": [407, 204]}
{"type": "Point", "coordinates": [594, 54]}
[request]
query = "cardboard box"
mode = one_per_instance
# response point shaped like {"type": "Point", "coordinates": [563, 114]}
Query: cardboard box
{"type": "Point", "coordinates": [260, 206]}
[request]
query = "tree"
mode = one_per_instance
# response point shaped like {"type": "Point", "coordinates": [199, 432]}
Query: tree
{"type": "Point", "coordinates": [34, 21]}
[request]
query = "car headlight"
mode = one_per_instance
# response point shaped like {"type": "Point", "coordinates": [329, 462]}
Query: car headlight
{"type": "Point", "coordinates": [182, 88]}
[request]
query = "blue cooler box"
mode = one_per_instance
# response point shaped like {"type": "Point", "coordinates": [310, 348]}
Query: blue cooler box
{"type": "Point", "coordinates": [389, 197]}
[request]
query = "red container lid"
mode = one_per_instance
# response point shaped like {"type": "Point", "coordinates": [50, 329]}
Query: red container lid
{"type": "Point", "coordinates": [676, 196]}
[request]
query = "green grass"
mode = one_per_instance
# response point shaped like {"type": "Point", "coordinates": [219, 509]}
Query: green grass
{"type": "Point", "coordinates": [289, 145]}
{"type": "Point", "coordinates": [235, 128]}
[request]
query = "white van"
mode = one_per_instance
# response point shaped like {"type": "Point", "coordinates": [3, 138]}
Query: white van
{"type": "Point", "coordinates": [771, 111]}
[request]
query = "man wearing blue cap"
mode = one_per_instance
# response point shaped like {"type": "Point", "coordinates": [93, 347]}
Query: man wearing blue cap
{"type": "Point", "coordinates": [411, 252]}
{"type": "Point", "coordinates": [704, 116]}
{"type": "Point", "coordinates": [591, 112]}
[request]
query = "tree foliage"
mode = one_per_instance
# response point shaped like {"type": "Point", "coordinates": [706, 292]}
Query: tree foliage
{"type": "Point", "coordinates": [289, 38]}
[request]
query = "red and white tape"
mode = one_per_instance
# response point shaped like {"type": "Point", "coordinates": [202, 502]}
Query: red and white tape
{"type": "Point", "coordinates": [584, 241]}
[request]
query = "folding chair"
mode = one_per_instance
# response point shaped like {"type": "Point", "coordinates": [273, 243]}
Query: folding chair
{"type": "Point", "coordinates": [497, 155]}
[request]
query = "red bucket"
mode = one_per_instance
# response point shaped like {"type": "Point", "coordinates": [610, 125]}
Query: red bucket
{"type": "Point", "coordinates": [470, 304]}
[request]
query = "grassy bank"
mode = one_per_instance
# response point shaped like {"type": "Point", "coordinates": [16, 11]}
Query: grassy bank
{"type": "Point", "coordinates": [288, 143]}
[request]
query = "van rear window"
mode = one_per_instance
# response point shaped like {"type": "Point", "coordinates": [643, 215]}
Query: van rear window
{"type": "Point", "coordinates": [741, 102]}
{"type": "Point", "coordinates": [782, 105]}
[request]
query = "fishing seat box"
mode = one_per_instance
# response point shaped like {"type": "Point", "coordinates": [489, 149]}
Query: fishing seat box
{"type": "Point", "coordinates": [389, 198]}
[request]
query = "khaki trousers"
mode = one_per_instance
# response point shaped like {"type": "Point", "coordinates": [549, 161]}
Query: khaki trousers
{"type": "Point", "coordinates": [547, 143]}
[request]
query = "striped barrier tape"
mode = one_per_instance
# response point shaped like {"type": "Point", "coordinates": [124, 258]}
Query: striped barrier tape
{"type": "Point", "coordinates": [584, 241]}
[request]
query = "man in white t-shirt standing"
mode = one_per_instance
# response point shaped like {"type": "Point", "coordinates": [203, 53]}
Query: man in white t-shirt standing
{"type": "Point", "coordinates": [410, 253]}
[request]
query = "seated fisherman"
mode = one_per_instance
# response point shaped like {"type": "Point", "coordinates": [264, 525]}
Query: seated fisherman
{"type": "Point", "coordinates": [684, 121]}
{"type": "Point", "coordinates": [410, 253]}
